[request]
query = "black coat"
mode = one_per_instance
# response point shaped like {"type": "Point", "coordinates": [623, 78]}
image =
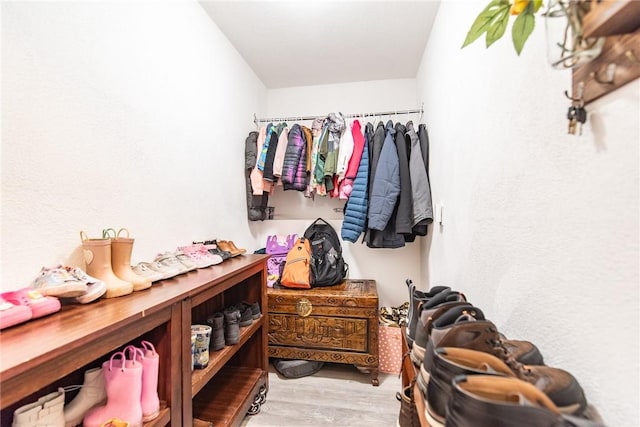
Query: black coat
{"type": "Point", "coordinates": [404, 217]}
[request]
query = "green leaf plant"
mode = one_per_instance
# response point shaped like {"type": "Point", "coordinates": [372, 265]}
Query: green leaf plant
{"type": "Point", "coordinates": [494, 19]}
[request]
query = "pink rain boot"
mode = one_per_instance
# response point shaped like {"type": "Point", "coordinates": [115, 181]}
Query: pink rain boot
{"type": "Point", "coordinates": [150, 364]}
{"type": "Point", "coordinates": [123, 380]}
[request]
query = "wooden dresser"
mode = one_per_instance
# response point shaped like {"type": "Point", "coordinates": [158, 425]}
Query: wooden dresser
{"type": "Point", "coordinates": [333, 324]}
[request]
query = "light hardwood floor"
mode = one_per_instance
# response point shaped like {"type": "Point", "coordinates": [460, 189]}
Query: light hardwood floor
{"type": "Point", "coordinates": [338, 395]}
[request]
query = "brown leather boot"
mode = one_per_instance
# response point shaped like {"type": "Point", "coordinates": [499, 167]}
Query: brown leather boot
{"type": "Point", "coordinates": [467, 328]}
{"type": "Point", "coordinates": [519, 350]}
{"type": "Point", "coordinates": [489, 401]}
{"type": "Point", "coordinates": [449, 362]}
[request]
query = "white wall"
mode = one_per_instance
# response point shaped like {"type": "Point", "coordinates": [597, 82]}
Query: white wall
{"type": "Point", "coordinates": [119, 114]}
{"type": "Point", "coordinates": [389, 267]}
{"type": "Point", "coordinates": [541, 228]}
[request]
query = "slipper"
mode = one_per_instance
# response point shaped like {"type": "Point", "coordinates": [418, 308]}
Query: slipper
{"type": "Point", "coordinates": [11, 314]}
{"type": "Point", "coordinates": [38, 304]}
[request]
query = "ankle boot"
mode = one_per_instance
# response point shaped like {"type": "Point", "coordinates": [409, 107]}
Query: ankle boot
{"type": "Point", "coordinates": [121, 249]}
{"type": "Point", "coordinates": [92, 393]}
{"type": "Point", "coordinates": [232, 325]}
{"type": "Point", "coordinates": [150, 365]}
{"type": "Point", "coordinates": [123, 381]}
{"type": "Point", "coordinates": [97, 255]}
{"type": "Point", "coordinates": [45, 412]}
{"type": "Point", "coordinates": [488, 401]}
{"type": "Point", "coordinates": [416, 298]}
{"type": "Point", "coordinates": [216, 321]}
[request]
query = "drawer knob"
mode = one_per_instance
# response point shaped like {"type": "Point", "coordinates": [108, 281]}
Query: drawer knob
{"type": "Point", "coordinates": [303, 307]}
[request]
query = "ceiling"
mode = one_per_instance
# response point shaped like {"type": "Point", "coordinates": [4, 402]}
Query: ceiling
{"type": "Point", "coordinates": [314, 42]}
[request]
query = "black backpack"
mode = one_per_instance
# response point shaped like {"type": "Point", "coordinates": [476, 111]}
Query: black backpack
{"type": "Point", "coordinates": [327, 265]}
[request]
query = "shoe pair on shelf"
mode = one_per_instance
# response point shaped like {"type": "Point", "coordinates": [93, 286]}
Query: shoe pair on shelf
{"type": "Point", "coordinates": [25, 304]}
{"type": "Point", "coordinates": [224, 248]}
{"type": "Point", "coordinates": [225, 325]}
{"type": "Point", "coordinates": [69, 284]}
{"type": "Point", "coordinates": [122, 392]}
{"type": "Point", "coordinates": [44, 296]}
{"type": "Point", "coordinates": [200, 255]}
{"type": "Point", "coordinates": [109, 259]}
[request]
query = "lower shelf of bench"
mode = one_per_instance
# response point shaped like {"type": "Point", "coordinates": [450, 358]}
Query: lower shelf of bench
{"type": "Point", "coordinates": [227, 398]}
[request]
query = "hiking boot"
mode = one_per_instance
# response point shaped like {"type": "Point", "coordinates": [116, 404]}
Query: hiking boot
{"type": "Point", "coordinates": [216, 321]}
{"type": "Point", "coordinates": [440, 326]}
{"type": "Point", "coordinates": [448, 362]}
{"type": "Point", "coordinates": [415, 298]}
{"type": "Point", "coordinates": [231, 325]}
{"type": "Point", "coordinates": [489, 401]}
{"type": "Point", "coordinates": [439, 303]}
{"type": "Point", "coordinates": [467, 328]}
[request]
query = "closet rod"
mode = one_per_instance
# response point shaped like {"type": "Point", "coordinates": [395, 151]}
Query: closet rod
{"type": "Point", "coordinates": [256, 120]}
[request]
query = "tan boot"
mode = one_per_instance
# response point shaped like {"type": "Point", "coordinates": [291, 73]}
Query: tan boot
{"type": "Point", "coordinates": [121, 249]}
{"type": "Point", "coordinates": [97, 256]}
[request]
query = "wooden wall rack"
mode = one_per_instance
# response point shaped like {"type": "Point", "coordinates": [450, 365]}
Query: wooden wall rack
{"type": "Point", "coordinates": [619, 62]}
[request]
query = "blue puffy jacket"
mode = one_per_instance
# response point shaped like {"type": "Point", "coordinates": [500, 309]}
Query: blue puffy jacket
{"type": "Point", "coordinates": [355, 214]}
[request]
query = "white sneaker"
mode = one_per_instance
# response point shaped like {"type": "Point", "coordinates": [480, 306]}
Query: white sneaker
{"type": "Point", "coordinates": [165, 269]}
{"type": "Point", "coordinates": [96, 288]}
{"type": "Point", "coordinates": [186, 260]}
{"type": "Point", "coordinates": [145, 270]}
{"type": "Point", "coordinates": [170, 260]}
{"type": "Point", "coordinates": [58, 282]}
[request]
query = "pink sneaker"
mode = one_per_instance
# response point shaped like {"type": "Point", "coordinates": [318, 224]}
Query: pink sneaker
{"type": "Point", "coordinates": [200, 255]}
{"type": "Point", "coordinates": [39, 304]}
{"type": "Point", "coordinates": [11, 314]}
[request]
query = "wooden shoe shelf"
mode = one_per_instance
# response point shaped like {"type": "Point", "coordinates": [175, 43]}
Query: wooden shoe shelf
{"type": "Point", "coordinates": [41, 355]}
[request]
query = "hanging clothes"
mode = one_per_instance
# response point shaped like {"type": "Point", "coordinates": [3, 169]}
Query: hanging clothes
{"type": "Point", "coordinates": [321, 156]}
{"type": "Point", "coordinates": [256, 205]}
{"type": "Point", "coordinates": [422, 203]}
{"type": "Point", "coordinates": [278, 159]}
{"type": "Point", "coordinates": [382, 212]}
{"type": "Point", "coordinates": [294, 174]}
{"type": "Point", "coordinates": [404, 217]}
{"type": "Point", "coordinates": [262, 153]}
{"type": "Point", "coordinates": [375, 147]}
{"type": "Point", "coordinates": [386, 183]}
{"type": "Point", "coordinates": [336, 124]}
{"type": "Point", "coordinates": [346, 151]}
{"type": "Point", "coordinates": [257, 183]}
{"type": "Point", "coordinates": [355, 213]}
{"type": "Point", "coordinates": [279, 131]}
{"type": "Point", "coordinates": [359, 144]}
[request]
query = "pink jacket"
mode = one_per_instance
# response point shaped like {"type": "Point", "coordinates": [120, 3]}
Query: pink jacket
{"type": "Point", "coordinates": [352, 169]}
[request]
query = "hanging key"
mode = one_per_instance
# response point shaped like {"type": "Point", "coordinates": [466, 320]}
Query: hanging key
{"type": "Point", "coordinates": [581, 118]}
{"type": "Point", "coordinates": [571, 115]}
